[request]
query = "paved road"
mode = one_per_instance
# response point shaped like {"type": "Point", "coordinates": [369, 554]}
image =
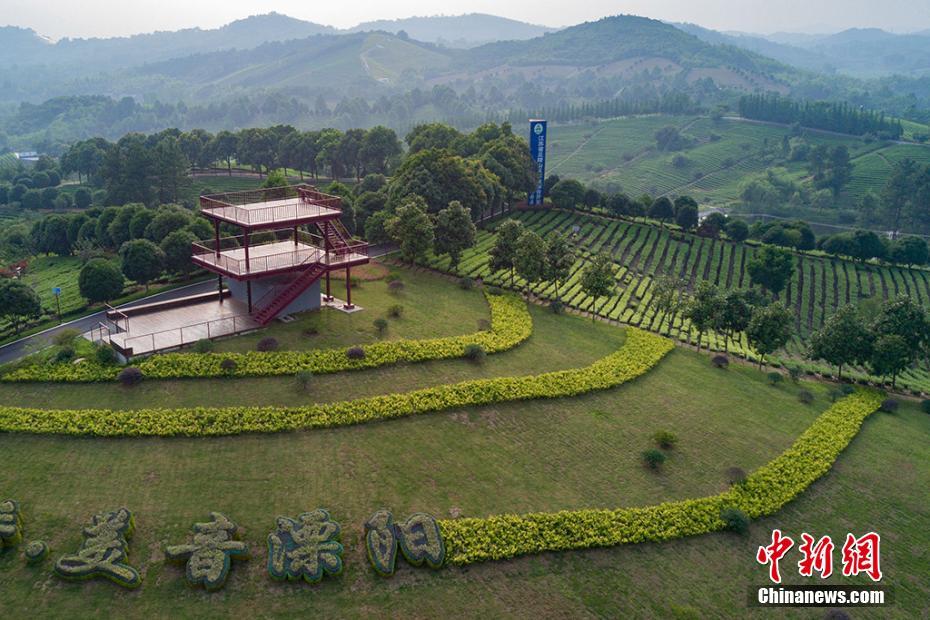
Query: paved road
{"type": "Point", "coordinates": [35, 342]}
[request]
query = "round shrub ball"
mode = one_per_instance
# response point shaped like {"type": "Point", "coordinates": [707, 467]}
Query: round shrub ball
{"type": "Point", "coordinates": [475, 353]}
{"type": "Point", "coordinates": [228, 365]}
{"type": "Point", "coordinates": [304, 378]}
{"type": "Point", "coordinates": [380, 325]}
{"type": "Point", "coordinates": [267, 344]}
{"type": "Point", "coordinates": [736, 520]}
{"type": "Point", "coordinates": [36, 551]}
{"type": "Point", "coordinates": [466, 283]}
{"type": "Point", "coordinates": [65, 354]}
{"type": "Point", "coordinates": [203, 346]}
{"type": "Point", "coordinates": [847, 389]}
{"type": "Point", "coordinates": [805, 397]}
{"type": "Point", "coordinates": [557, 307]}
{"type": "Point", "coordinates": [130, 376]}
{"type": "Point", "coordinates": [665, 439]}
{"type": "Point", "coordinates": [720, 361]}
{"type": "Point", "coordinates": [889, 405]}
{"type": "Point", "coordinates": [836, 614]}
{"type": "Point", "coordinates": [774, 378]}
{"type": "Point", "coordinates": [735, 475]}
{"type": "Point", "coordinates": [105, 355]}
{"type": "Point", "coordinates": [495, 290]}
{"type": "Point", "coordinates": [484, 325]}
{"type": "Point", "coordinates": [653, 458]}
{"type": "Point", "coordinates": [396, 311]}
{"type": "Point", "coordinates": [395, 286]}
{"type": "Point", "coordinates": [925, 405]}
{"type": "Point", "coordinates": [355, 353]}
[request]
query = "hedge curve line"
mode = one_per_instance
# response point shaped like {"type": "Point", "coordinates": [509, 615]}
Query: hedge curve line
{"type": "Point", "coordinates": [511, 324]}
{"type": "Point", "coordinates": [763, 493]}
{"type": "Point", "coordinates": [639, 354]}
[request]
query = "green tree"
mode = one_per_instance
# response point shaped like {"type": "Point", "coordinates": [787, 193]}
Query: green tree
{"type": "Point", "coordinates": [686, 216]}
{"type": "Point", "coordinates": [100, 281]}
{"type": "Point", "coordinates": [223, 146]}
{"type": "Point", "coordinates": [275, 178]}
{"type": "Point", "coordinates": [844, 339]}
{"type": "Point", "coordinates": [176, 247]}
{"type": "Point", "coordinates": [905, 318]}
{"type": "Point", "coordinates": [167, 220]}
{"type": "Point", "coordinates": [455, 232]}
{"type": "Point", "coordinates": [55, 236]}
{"type": "Point", "coordinates": [890, 356]}
{"type": "Point", "coordinates": [412, 229]}
{"type": "Point", "coordinates": [530, 257]}
{"type": "Point", "coordinates": [142, 261]}
{"type": "Point", "coordinates": [18, 303]}
{"type": "Point", "coordinates": [771, 268]}
{"type": "Point", "coordinates": [597, 279]}
{"type": "Point", "coordinates": [733, 318]}
{"type": "Point", "coordinates": [431, 136]}
{"type": "Point", "coordinates": [503, 253]}
{"type": "Point", "coordinates": [703, 309]}
{"type": "Point", "coordinates": [737, 230]}
{"type": "Point", "coordinates": [82, 198]}
{"type": "Point", "coordinates": [566, 194]}
{"type": "Point", "coordinates": [909, 251]}
{"type": "Point", "coordinates": [661, 210]}
{"type": "Point", "coordinates": [666, 295]}
{"type": "Point", "coordinates": [171, 168]}
{"type": "Point", "coordinates": [379, 147]}
{"type": "Point", "coordinates": [769, 329]}
{"type": "Point", "coordinates": [560, 257]}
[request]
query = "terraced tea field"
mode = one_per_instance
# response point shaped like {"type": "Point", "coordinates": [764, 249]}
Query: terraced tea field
{"type": "Point", "coordinates": [641, 252]}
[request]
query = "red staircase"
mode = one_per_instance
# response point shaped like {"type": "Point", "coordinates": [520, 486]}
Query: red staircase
{"type": "Point", "coordinates": [289, 293]}
{"type": "Point", "coordinates": [337, 237]}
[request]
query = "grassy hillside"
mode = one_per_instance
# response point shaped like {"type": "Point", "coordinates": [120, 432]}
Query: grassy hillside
{"type": "Point", "coordinates": [641, 251]}
{"type": "Point", "coordinates": [726, 154]}
{"type": "Point", "coordinates": [472, 462]}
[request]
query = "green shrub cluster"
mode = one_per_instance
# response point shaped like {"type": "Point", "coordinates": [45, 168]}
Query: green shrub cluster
{"type": "Point", "coordinates": [209, 557]}
{"type": "Point", "coordinates": [103, 552]}
{"type": "Point", "coordinates": [764, 492]}
{"type": "Point", "coordinates": [11, 524]}
{"type": "Point", "coordinates": [36, 552]}
{"type": "Point", "coordinates": [639, 354]}
{"type": "Point", "coordinates": [511, 324]}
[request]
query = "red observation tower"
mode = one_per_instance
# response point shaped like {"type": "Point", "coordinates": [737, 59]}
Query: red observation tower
{"type": "Point", "coordinates": [291, 238]}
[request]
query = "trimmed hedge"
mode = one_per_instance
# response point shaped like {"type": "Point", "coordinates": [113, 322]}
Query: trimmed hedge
{"type": "Point", "coordinates": [511, 324]}
{"type": "Point", "coordinates": [641, 352]}
{"type": "Point", "coordinates": [764, 492]}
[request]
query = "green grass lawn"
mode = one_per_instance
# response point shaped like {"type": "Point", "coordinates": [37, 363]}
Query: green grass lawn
{"type": "Point", "coordinates": [517, 457]}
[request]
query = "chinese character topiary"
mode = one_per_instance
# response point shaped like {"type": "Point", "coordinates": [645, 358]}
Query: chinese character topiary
{"type": "Point", "coordinates": [305, 548]}
{"type": "Point", "coordinates": [103, 552]}
{"type": "Point", "coordinates": [210, 556]}
{"type": "Point", "coordinates": [418, 538]}
{"type": "Point", "coordinates": [11, 524]}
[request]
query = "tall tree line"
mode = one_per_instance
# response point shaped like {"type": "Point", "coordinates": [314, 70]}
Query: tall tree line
{"type": "Point", "coordinates": [831, 116]}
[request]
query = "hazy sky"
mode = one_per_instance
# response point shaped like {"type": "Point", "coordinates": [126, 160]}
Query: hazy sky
{"type": "Point", "coordinates": [59, 18]}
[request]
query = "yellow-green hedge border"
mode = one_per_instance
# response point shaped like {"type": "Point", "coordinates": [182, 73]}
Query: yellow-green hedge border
{"type": "Point", "coordinates": [640, 353]}
{"type": "Point", "coordinates": [764, 492]}
{"type": "Point", "coordinates": [511, 324]}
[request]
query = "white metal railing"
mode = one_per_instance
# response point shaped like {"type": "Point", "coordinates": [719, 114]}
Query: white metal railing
{"type": "Point", "coordinates": [186, 334]}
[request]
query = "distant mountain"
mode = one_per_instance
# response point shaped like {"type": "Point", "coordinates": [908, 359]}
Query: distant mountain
{"type": "Point", "coordinates": [24, 47]}
{"type": "Point", "coordinates": [459, 30]}
{"type": "Point", "coordinates": [859, 52]}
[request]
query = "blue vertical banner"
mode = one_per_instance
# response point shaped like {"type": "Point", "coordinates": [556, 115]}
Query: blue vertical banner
{"type": "Point", "coordinates": [538, 153]}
